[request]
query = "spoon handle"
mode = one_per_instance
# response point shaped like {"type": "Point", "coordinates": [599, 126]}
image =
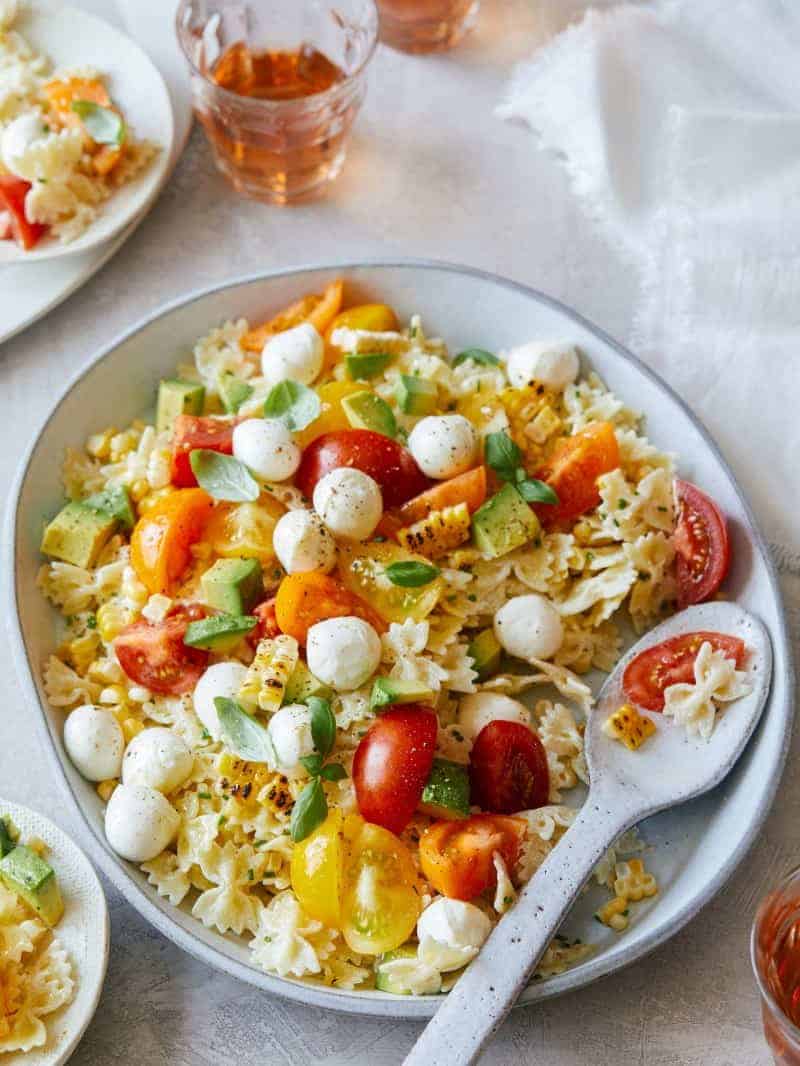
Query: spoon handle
{"type": "Point", "coordinates": [477, 1004]}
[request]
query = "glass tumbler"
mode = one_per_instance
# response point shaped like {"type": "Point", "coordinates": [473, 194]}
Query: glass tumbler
{"type": "Point", "coordinates": [775, 953]}
{"type": "Point", "coordinates": [425, 25]}
{"type": "Point", "coordinates": [298, 68]}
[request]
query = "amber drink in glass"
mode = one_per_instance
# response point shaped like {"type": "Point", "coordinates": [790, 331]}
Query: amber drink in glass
{"type": "Point", "coordinates": [775, 949]}
{"type": "Point", "coordinates": [425, 25]}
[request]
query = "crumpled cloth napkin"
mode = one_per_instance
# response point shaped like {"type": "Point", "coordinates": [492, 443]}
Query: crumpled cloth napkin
{"type": "Point", "coordinates": [678, 125]}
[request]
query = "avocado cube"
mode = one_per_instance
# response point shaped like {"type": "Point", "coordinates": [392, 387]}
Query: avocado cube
{"type": "Point", "coordinates": [113, 501]}
{"type": "Point", "coordinates": [446, 794]}
{"type": "Point", "coordinates": [503, 523]}
{"type": "Point", "coordinates": [234, 586]}
{"type": "Point", "coordinates": [361, 365]}
{"type": "Point", "coordinates": [78, 534]}
{"type": "Point", "coordinates": [176, 397]}
{"type": "Point", "coordinates": [233, 391]}
{"type": "Point", "coordinates": [7, 840]}
{"type": "Point", "coordinates": [22, 871]}
{"type": "Point", "coordinates": [389, 690]}
{"type": "Point", "coordinates": [365, 410]}
{"type": "Point", "coordinates": [302, 685]}
{"type": "Point", "coordinates": [415, 396]}
{"type": "Point", "coordinates": [485, 651]}
{"type": "Point", "coordinates": [220, 632]}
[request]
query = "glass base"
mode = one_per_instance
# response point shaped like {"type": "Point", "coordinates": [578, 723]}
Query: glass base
{"type": "Point", "coordinates": [280, 186]}
{"type": "Point", "coordinates": [399, 29]}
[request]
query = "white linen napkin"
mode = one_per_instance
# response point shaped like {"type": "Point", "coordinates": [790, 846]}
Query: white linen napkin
{"type": "Point", "coordinates": [678, 125]}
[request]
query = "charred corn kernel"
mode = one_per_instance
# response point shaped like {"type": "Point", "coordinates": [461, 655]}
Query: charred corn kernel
{"type": "Point", "coordinates": [139, 489]}
{"type": "Point", "coordinates": [632, 881]}
{"type": "Point", "coordinates": [241, 780]}
{"type": "Point", "coordinates": [105, 789]}
{"type": "Point", "coordinates": [131, 727]}
{"type": "Point", "coordinates": [544, 425]}
{"type": "Point", "coordinates": [269, 672]}
{"type": "Point", "coordinates": [629, 727]}
{"type": "Point", "coordinates": [81, 651]}
{"type": "Point", "coordinates": [438, 533]}
{"type": "Point", "coordinates": [111, 620]}
{"type": "Point", "coordinates": [99, 444]}
{"type": "Point", "coordinates": [614, 914]}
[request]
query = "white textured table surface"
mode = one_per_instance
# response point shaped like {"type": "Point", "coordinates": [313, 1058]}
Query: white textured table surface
{"type": "Point", "coordinates": [431, 173]}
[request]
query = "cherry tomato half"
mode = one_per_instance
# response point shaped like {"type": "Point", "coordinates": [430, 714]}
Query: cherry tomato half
{"type": "Point", "coordinates": [193, 431]}
{"type": "Point", "coordinates": [309, 597]}
{"type": "Point", "coordinates": [573, 469]}
{"type": "Point", "coordinates": [267, 622]}
{"type": "Point", "coordinates": [163, 536]}
{"type": "Point", "coordinates": [12, 199]}
{"type": "Point", "coordinates": [388, 462]}
{"type": "Point", "coordinates": [670, 663]}
{"type": "Point", "coordinates": [457, 857]}
{"type": "Point", "coordinates": [392, 763]}
{"type": "Point", "coordinates": [701, 545]}
{"type": "Point", "coordinates": [154, 655]}
{"type": "Point", "coordinates": [508, 769]}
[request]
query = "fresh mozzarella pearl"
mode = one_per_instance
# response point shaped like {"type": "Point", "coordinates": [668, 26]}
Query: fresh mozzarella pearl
{"type": "Point", "coordinates": [301, 542]}
{"type": "Point", "coordinates": [529, 627]}
{"type": "Point", "coordinates": [18, 136]}
{"type": "Point", "coordinates": [349, 502]}
{"type": "Point", "coordinates": [477, 710]}
{"type": "Point", "coordinates": [290, 732]}
{"type": "Point", "coordinates": [266, 447]}
{"type": "Point", "coordinates": [157, 758]}
{"type": "Point", "coordinates": [343, 652]}
{"type": "Point", "coordinates": [451, 933]}
{"type": "Point", "coordinates": [94, 742]}
{"type": "Point", "coordinates": [553, 364]}
{"type": "Point", "coordinates": [443, 445]}
{"type": "Point", "coordinates": [221, 679]}
{"type": "Point", "coordinates": [295, 353]}
{"type": "Point", "coordinates": [140, 822]}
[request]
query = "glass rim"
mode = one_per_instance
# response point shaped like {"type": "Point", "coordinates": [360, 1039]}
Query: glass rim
{"type": "Point", "coordinates": [764, 990]}
{"type": "Point", "coordinates": [278, 105]}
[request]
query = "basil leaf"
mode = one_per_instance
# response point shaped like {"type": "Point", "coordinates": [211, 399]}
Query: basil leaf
{"type": "Point", "coordinates": [223, 477]}
{"type": "Point", "coordinates": [312, 763]}
{"type": "Point", "coordinates": [102, 124]}
{"type": "Point", "coordinates": [242, 734]}
{"type": "Point", "coordinates": [333, 772]}
{"type": "Point", "coordinates": [310, 810]}
{"type": "Point", "coordinates": [502, 455]}
{"type": "Point", "coordinates": [534, 491]}
{"type": "Point", "coordinates": [477, 355]}
{"type": "Point", "coordinates": [295, 404]}
{"type": "Point", "coordinates": [411, 575]}
{"type": "Point", "coordinates": [323, 724]}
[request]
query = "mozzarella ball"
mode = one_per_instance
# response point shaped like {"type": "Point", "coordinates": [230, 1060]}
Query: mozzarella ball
{"type": "Point", "coordinates": [296, 354]}
{"type": "Point", "coordinates": [221, 679]}
{"type": "Point", "coordinates": [554, 364]}
{"type": "Point", "coordinates": [443, 445]}
{"type": "Point", "coordinates": [302, 542]}
{"type": "Point", "coordinates": [343, 652]}
{"type": "Point", "coordinates": [451, 933]}
{"type": "Point", "coordinates": [94, 741]}
{"type": "Point", "coordinates": [140, 822]}
{"type": "Point", "coordinates": [157, 758]}
{"type": "Point", "coordinates": [17, 138]}
{"type": "Point", "coordinates": [266, 447]}
{"type": "Point", "coordinates": [477, 710]}
{"type": "Point", "coordinates": [349, 502]}
{"type": "Point", "coordinates": [290, 732]}
{"type": "Point", "coordinates": [529, 627]}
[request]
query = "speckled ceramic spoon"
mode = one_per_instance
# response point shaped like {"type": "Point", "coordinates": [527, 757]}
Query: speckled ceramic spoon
{"type": "Point", "coordinates": [670, 768]}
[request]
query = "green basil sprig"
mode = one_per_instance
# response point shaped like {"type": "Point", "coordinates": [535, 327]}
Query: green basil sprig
{"type": "Point", "coordinates": [477, 355]}
{"type": "Point", "coordinates": [295, 404]}
{"type": "Point", "coordinates": [411, 575]}
{"type": "Point", "coordinates": [311, 808]}
{"type": "Point", "coordinates": [223, 477]}
{"type": "Point", "coordinates": [102, 124]}
{"type": "Point", "coordinates": [505, 458]}
{"type": "Point", "coordinates": [242, 734]}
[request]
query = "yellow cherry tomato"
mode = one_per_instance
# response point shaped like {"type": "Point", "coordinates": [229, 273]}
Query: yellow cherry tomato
{"type": "Point", "coordinates": [162, 538]}
{"type": "Point", "coordinates": [332, 416]}
{"type": "Point", "coordinates": [362, 568]}
{"type": "Point", "coordinates": [244, 530]}
{"type": "Point", "coordinates": [316, 871]}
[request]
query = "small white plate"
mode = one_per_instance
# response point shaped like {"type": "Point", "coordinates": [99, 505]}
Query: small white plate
{"type": "Point", "coordinates": [72, 38]}
{"type": "Point", "coordinates": [83, 931]}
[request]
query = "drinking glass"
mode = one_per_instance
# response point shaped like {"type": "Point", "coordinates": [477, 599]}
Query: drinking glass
{"type": "Point", "coordinates": [775, 952]}
{"type": "Point", "coordinates": [278, 138]}
{"type": "Point", "coordinates": [425, 25]}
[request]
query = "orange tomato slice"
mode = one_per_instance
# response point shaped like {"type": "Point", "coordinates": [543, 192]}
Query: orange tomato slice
{"type": "Point", "coordinates": [319, 309]}
{"type": "Point", "coordinates": [162, 538]}
{"type": "Point", "coordinates": [307, 598]}
{"type": "Point", "coordinates": [573, 469]}
{"type": "Point", "coordinates": [468, 488]}
{"type": "Point", "coordinates": [457, 857]}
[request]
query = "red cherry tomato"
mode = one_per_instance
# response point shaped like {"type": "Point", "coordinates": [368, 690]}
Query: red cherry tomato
{"type": "Point", "coordinates": [267, 622]}
{"type": "Point", "coordinates": [12, 199]}
{"type": "Point", "coordinates": [670, 663]}
{"type": "Point", "coordinates": [457, 857]}
{"type": "Point", "coordinates": [508, 769]}
{"type": "Point", "coordinates": [388, 462]}
{"type": "Point", "coordinates": [701, 545]}
{"type": "Point", "coordinates": [392, 764]}
{"type": "Point", "coordinates": [154, 655]}
{"type": "Point", "coordinates": [190, 432]}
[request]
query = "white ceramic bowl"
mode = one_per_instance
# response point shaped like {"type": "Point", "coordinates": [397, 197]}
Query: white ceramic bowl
{"type": "Point", "coordinates": [695, 848]}
{"type": "Point", "coordinates": [73, 38]}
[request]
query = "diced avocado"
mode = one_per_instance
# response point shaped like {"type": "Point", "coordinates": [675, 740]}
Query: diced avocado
{"type": "Point", "coordinates": [365, 410]}
{"type": "Point", "coordinates": [361, 365]}
{"type": "Point", "coordinates": [7, 841]}
{"type": "Point", "coordinates": [388, 690]}
{"type": "Point", "coordinates": [176, 397]}
{"type": "Point", "coordinates": [233, 585]}
{"type": "Point", "coordinates": [385, 980]}
{"type": "Point", "coordinates": [116, 502]}
{"type": "Point", "coordinates": [78, 534]}
{"type": "Point", "coordinates": [302, 685]}
{"type": "Point", "coordinates": [503, 523]}
{"type": "Point", "coordinates": [34, 881]}
{"type": "Point", "coordinates": [415, 396]}
{"type": "Point", "coordinates": [485, 651]}
{"type": "Point", "coordinates": [233, 391]}
{"type": "Point", "coordinates": [446, 795]}
{"type": "Point", "coordinates": [220, 632]}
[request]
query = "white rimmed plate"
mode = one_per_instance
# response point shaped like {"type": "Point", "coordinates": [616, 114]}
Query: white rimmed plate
{"type": "Point", "coordinates": [83, 931]}
{"type": "Point", "coordinates": [694, 849]}
{"type": "Point", "coordinates": [72, 38]}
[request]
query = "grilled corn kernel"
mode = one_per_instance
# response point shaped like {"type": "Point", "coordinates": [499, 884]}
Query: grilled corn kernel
{"type": "Point", "coordinates": [629, 727]}
{"type": "Point", "coordinates": [111, 620]}
{"type": "Point", "coordinates": [269, 672]}
{"type": "Point", "coordinates": [632, 881]}
{"type": "Point", "coordinates": [131, 727]}
{"type": "Point", "coordinates": [614, 914]}
{"type": "Point", "coordinates": [438, 533]}
{"type": "Point", "coordinates": [105, 789]}
{"type": "Point", "coordinates": [99, 444]}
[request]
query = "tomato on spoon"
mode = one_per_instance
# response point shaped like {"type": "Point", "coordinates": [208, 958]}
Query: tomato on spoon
{"type": "Point", "coordinates": [672, 662]}
{"type": "Point", "coordinates": [701, 545]}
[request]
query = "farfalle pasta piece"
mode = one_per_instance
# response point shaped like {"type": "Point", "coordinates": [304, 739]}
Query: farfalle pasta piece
{"type": "Point", "coordinates": [288, 942]}
{"type": "Point", "coordinates": [716, 680]}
